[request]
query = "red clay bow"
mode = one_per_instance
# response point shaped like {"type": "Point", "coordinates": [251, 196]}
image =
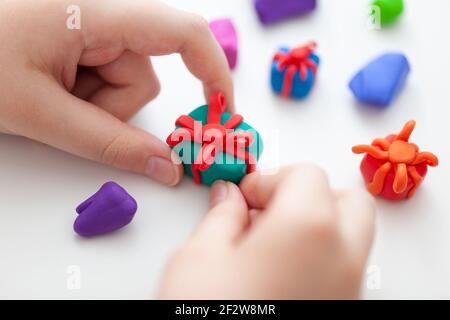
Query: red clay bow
{"type": "Point", "coordinates": [298, 59]}
{"type": "Point", "coordinates": [214, 137]}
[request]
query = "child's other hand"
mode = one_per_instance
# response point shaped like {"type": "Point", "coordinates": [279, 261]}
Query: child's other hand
{"type": "Point", "coordinates": [75, 89]}
{"type": "Point", "coordinates": [303, 241]}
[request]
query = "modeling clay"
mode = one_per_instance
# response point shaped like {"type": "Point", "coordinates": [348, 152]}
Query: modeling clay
{"type": "Point", "coordinates": [389, 10]}
{"type": "Point", "coordinates": [226, 35]}
{"type": "Point", "coordinates": [294, 71]}
{"type": "Point", "coordinates": [271, 11]}
{"type": "Point", "coordinates": [393, 167]}
{"type": "Point", "coordinates": [109, 209]}
{"type": "Point", "coordinates": [380, 81]}
{"type": "Point", "coordinates": [215, 145]}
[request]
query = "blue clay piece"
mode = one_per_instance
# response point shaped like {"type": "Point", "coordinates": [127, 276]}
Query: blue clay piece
{"type": "Point", "coordinates": [381, 80]}
{"type": "Point", "coordinates": [300, 89]}
{"type": "Point", "coordinates": [109, 209]}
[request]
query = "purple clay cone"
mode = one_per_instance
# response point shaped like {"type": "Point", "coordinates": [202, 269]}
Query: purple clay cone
{"type": "Point", "coordinates": [109, 209]}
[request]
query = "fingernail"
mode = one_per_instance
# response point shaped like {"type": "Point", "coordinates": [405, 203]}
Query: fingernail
{"type": "Point", "coordinates": [219, 192]}
{"type": "Point", "coordinates": [162, 170]}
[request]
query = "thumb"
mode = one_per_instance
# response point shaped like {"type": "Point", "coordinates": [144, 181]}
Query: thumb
{"type": "Point", "coordinates": [63, 121]}
{"type": "Point", "coordinates": [228, 216]}
{"type": "Point", "coordinates": [138, 151]}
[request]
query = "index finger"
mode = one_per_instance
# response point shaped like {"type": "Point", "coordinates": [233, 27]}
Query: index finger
{"type": "Point", "coordinates": [154, 28]}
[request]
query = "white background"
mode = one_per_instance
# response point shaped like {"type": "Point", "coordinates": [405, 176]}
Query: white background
{"type": "Point", "coordinates": [40, 186]}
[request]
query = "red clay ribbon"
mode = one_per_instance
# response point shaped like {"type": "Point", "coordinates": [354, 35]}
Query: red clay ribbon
{"type": "Point", "coordinates": [296, 60]}
{"type": "Point", "coordinates": [214, 137]}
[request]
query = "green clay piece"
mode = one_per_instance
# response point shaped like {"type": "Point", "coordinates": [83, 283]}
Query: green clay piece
{"type": "Point", "coordinates": [226, 166]}
{"type": "Point", "coordinates": [390, 10]}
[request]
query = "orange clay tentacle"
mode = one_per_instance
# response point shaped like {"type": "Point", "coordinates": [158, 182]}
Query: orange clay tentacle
{"type": "Point", "coordinates": [406, 131]}
{"type": "Point", "coordinates": [417, 179]}
{"type": "Point", "coordinates": [401, 178]}
{"type": "Point", "coordinates": [373, 151]}
{"type": "Point", "coordinates": [381, 143]}
{"type": "Point", "coordinates": [377, 184]}
{"type": "Point", "coordinates": [427, 157]}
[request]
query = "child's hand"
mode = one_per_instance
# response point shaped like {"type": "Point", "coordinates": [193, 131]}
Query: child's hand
{"type": "Point", "coordinates": [74, 89]}
{"type": "Point", "coordinates": [304, 241]}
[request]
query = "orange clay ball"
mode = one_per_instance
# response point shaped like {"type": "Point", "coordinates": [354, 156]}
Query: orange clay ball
{"type": "Point", "coordinates": [393, 167]}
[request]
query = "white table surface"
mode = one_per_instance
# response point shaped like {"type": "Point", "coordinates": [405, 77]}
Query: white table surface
{"type": "Point", "coordinates": [40, 186]}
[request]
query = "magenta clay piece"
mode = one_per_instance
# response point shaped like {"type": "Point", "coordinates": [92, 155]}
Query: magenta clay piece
{"type": "Point", "coordinates": [226, 35]}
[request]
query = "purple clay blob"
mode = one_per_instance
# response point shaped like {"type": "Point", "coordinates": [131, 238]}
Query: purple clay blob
{"type": "Point", "coordinates": [226, 34]}
{"type": "Point", "coordinates": [109, 209]}
{"type": "Point", "coordinates": [272, 11]}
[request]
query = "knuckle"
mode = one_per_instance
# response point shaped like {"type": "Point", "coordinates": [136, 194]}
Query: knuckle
{"type": "Point", "coordinates": [365, 197]}
{"type": "Point", "coordinates": [4, 130]}
{"type": "Point", "coordinates": [178, 258]}
{"type": "Point", "coordinates": [198, 23]}
{"type": "Point", "coordinates": [309, 173]}
{"type": "Point", "coordinates": [152, 90]}
{"type": "Point", "coordinates": [150, 87]}
{"type": "Point", "coordinates": [178, 263]}
{"type": "Point", "coordinates": [188, 253]}
{"type": "Point", "coordinates": [322, 226]}
{"type": "Point", "coordinates": [311, 170]}
{"type": "Point", "coordinates": [148, 91]}
{"type": "Point", "coordinates": [353, 273]}
{"type": "Point", "coordinates": [115, 151]}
